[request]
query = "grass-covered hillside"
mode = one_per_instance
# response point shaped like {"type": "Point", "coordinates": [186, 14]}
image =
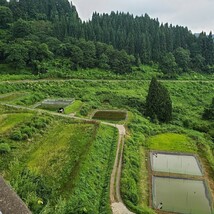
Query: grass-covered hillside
{"type": "Point", "coordinates": [56, 165]}
{"type": "Point", "coordinates": [71, 161]}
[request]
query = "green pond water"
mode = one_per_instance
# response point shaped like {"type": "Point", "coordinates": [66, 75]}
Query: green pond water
{"type": "Point", "coordinates": [181, 195]}
{"type": "Point", "coordinates": [172, 163]}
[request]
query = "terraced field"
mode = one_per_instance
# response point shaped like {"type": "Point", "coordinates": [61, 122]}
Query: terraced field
{"type": "Point", "coordinates": [61, 160]}
{"type": "Point", "coordinates": [33, 152]}
{"type": "Point", "coordinates": [8, 121]}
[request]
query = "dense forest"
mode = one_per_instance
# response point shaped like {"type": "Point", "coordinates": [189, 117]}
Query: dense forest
{"type": "Point", "coordinates": [34, 32]}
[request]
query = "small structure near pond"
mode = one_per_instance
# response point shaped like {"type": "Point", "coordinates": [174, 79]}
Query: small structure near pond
{"type": "Point", "coordinates": [61, 110]}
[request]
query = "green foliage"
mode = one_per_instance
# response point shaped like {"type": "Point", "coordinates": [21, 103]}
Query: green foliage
{"type": "Point", "coordinates": [209, 112]}
{"type": "Point", "coordinates": [29, 99]}
{"type": "Point", "coordinates": [4, 148]}
{"type": "Point", "coordinates": [158, 102]}
{"type": "Point", "coordinates": [182, 58]}
{"type": "Point", "coordinates": [90, 196]}
{"type": "Point", "coordinates": [168, 65]}
{"type": "Point", "coordinates": [41, 168]}
{"type": "Point", "coordinates": [30, 187]}
{"type": "Point", "coordinates": [9, 121]}
{"type": "Point", "coordinates": [21, 29]}
{"type": "Point", "coordinates": [30, 128]}
{"type": "Point", "coordinates": [77, 57]}
{"type": "Point", "coordinates": [56, 24]}
{"type": "Point", "coordinates": [6, 16]}
{"type": "Point", "coordinates": [85, 109]}
{"type": "Point", "coordinates": [17, 55]}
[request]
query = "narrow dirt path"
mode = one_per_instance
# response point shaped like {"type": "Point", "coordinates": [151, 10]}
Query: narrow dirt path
{"type": "Point", "coordinates": [98, 80]}
{"type": "Point", "coordinates": [117, 205]}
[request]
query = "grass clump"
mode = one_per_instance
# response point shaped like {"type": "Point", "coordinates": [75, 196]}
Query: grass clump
{"type": "Point", "coordinates": [4, 148]}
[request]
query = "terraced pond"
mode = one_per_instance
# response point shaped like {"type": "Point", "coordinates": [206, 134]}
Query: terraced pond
{"type": "Point", "coordinates": [54, 104]}
{"type": "Point", "coordinates": [175, 163]}
{"type": "Point", "coordinates": [181, 195]}
{"type": "Point", "coordinates": [114, 115]}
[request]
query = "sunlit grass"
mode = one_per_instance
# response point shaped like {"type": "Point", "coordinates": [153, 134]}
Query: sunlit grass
{"type": "Point", "coordinates": [8, 121]}
{"type": "Point", "coordinates": [61, 149]}
{"type": "Point", "coordinates": [171, 142]}
{"type": "Point", "coordinates": [12, 96]}
{"type": "Point", "coordinates": [74, 107]}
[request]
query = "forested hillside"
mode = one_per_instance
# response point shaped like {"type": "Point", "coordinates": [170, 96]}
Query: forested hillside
{"type": "Point", "coordinates": [37, 34]}
{"type": "Point", "coordinates": [34, 34]}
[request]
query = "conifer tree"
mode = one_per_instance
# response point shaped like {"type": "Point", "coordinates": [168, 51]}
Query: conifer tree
{"type": "Point", "coordinates": [158, 102]}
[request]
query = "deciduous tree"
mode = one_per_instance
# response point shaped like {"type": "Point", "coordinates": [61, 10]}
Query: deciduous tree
{"type": "Point", "coordinates": [6, 16]}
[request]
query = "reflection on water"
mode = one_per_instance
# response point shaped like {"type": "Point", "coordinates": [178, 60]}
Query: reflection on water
{"type": "Point", "coordinates": [180, 195]}
{"type": "Point", "coordinates": [171, 163]}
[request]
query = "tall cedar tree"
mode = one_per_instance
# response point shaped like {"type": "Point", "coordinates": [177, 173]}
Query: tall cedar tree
{"type": "Point", "coordinates": [158, 102]}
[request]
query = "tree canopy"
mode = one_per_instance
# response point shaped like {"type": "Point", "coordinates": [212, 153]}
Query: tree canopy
{"type": "Point", "coordinates": [209, 111]}
{"type": "Point", "coordinates": [115, 41]}
{"type": "Point", "coordinates": [158, 102]}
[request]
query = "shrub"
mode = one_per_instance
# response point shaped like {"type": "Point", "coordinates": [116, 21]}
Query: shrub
{"type": "Point", "coordinates": [85, 109]}
{"type": "Point", "coordinates": [4, 148]}
{"type": "Point", "coordinates": [16, 135]}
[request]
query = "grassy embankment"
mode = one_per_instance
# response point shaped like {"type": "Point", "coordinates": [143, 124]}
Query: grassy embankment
{"type": "Point", "coordinates": [74, 107]}
{"type": "Point", "coordinates": [63, 163]}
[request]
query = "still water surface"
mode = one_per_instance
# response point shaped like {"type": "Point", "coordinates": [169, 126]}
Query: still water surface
{"type": "Point", "coordinates": [172, 163]}
{"type": "Point", "coordinates": [181, 195]}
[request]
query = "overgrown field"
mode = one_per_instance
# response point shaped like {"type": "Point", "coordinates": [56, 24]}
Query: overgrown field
{"type": "Point", "coordinates": [57, 165]}
{"type": "Point", "coordinates": [187, 132]}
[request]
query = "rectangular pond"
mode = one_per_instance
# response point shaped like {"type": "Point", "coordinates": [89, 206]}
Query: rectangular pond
{"type": "Point", "coordinates": [115, 115]}
{"type": "Point", "coordinates": [180, 195]}
{"type": "Point", "coordinates": [175, 163]}
{"type": "Point", "coordinates": [54, 104]}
